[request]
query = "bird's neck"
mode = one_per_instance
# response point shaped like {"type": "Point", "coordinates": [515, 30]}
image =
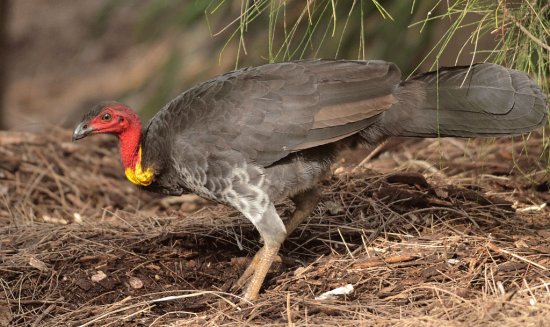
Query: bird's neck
{"type": "Point", "coordinates": [130, 154]}
{"type": "Point", "coordinates": [129, 142]}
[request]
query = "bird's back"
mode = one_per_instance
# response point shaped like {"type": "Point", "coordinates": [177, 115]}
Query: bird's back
{"type": "Point", "coordinates": [270, 111]}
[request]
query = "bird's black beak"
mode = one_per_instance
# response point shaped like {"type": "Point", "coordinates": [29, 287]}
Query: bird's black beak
{"type": "Point", "coordinates": [82, 130]}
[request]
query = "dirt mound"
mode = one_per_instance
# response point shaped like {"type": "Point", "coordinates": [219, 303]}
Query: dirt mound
{"type": "Point", "coordinates": [431, 232]}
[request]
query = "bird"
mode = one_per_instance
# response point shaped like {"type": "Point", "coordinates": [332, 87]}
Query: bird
{"type": "Point", "coordinates": [257, 135]}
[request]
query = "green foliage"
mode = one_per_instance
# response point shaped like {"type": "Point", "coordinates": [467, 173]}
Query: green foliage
{"type": "Point", "coordinates": [286, 30]}
{"type": "Point", "coordinates": [521, 28]}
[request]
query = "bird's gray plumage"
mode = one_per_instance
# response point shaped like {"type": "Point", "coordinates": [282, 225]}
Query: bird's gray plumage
{"type": "Point", "coordinates": [275, 120]}
{"type": "Point", "coordinates": [478, 101]}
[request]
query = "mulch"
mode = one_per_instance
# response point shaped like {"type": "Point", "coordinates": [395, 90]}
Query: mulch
{"type": "Point", "coordinates": [431, 232]}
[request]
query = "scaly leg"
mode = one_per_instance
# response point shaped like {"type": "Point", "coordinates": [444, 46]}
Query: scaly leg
{"type": "Point", "coordinates": [305, 203]}
{"type": "Point", "coordinates": [258, 268]}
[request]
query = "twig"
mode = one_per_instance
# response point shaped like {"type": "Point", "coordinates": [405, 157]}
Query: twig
{"type": "Point", "coordinates": [288, 314]}
{"type": "Point", "coordinates": [525, 30]}
{"type": "Point", "coordinates": [499, 250]}
{"type": "Point", "coordinates": [381, 262]}
{"type": "Point", "coordinates": [458, 212]}
{"type": "Point", "coordinates": [345, 244]}
{"type": "Point", "coordinates": [531, 36]}
{"type": "Point", "coordinates": [43, 315]}
{"type": "Point", "coordinates": [105, 315]}
{"type": "Point", "coordinates": [371, 155]}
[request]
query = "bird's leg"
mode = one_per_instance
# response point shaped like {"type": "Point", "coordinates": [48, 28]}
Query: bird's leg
{"type": "Point", "coordinates": [258, 268]}
{"type": "Point", "coordinates": [305, 203]}
{"type": "Point", "coordinates": [272, 231]}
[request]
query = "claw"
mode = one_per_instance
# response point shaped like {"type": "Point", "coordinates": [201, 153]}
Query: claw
{"type": "Point", "coordinates": [245, 277]}
{"type": "Point", "coordinates": [256, 271]}
{"type": "Point", "coordinates": [239, 285]}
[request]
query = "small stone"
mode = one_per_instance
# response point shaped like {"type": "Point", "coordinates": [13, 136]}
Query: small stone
{"type": "Point", "coordinates": [77, 218]}
{"type": "Point", "coordinates": [136, 282]}
{"type": "Point", "coordinates": [340, 170]}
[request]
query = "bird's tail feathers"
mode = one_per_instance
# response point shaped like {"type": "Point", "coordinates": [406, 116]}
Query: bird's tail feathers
{"type": "Point", "coordinates": [482, 100]}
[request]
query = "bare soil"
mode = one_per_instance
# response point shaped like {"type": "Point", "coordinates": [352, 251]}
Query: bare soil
{"type": "Point", "coordinates": [431, 232]}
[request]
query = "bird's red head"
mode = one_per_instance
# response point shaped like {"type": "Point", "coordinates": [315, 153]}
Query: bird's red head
{"type": "Point", "coordinates": [114, 118]}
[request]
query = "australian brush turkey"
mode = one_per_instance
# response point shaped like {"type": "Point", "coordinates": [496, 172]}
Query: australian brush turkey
{"type": "Point", "coordinates": [253, 136]}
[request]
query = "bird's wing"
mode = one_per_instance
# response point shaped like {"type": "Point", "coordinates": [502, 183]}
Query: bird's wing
{"type": "Point", "coordinates": [269, 111]}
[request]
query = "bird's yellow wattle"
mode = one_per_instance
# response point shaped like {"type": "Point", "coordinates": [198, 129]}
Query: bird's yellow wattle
{"type": "Point", "coordinates": [137, 175]}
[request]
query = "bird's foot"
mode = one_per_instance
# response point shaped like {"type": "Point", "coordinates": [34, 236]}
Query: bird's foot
{"type": "Point", "coordinates": [245, 277]}
{"type": "Point", "coordinates": [255, 273]}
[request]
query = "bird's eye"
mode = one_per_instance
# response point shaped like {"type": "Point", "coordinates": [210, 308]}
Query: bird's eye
{"type": "Point", "coordinates": [106, 117]}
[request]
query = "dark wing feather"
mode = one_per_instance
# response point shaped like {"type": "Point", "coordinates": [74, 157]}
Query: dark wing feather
{"type": "Point", "coordinates": [269, 111]}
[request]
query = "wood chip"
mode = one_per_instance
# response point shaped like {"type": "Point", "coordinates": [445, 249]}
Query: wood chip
{"type": "Point", "coordinates": [408, 178]}
{"type": "Point", "coordinates": [375, 262]}
{"type": "Point", "coordinates": [35, 263]}
{"type": "Point", "coordinates": [98, 277]}
{"type": "Point", "coordinates": [152, 266]}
